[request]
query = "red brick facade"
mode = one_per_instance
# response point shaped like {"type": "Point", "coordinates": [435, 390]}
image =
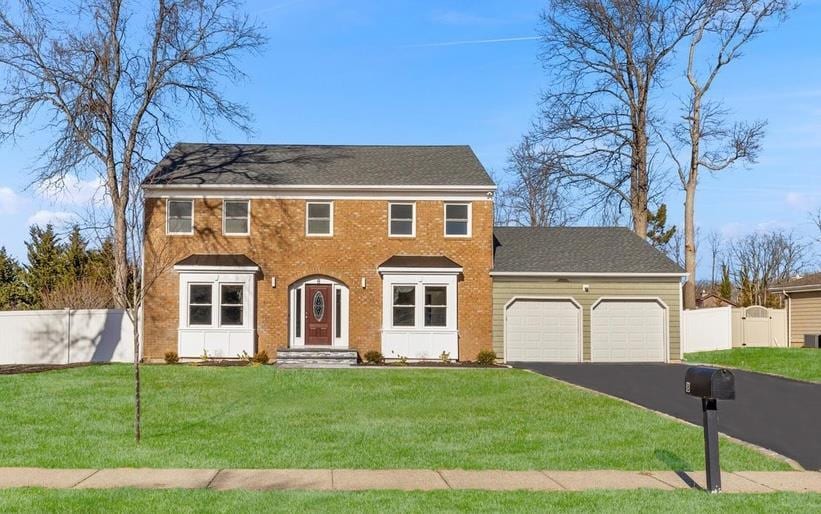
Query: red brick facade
{"type": "Point", "coordinates": [277, 243]}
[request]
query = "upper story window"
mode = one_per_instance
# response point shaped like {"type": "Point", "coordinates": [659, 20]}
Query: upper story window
{"type": "Point", "coordinates": [319, 219]}
{"type": "Point", "coordinates": [236, 217]}
{"type": "Point", "coordinates": [402, 219]}
{"type": "Point", "coordinates": [179, 217]}
{"type": "Point", "coordinates": [457, 219]}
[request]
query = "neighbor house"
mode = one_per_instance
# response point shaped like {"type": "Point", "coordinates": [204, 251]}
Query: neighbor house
{"type": "Point", "coordinates": [803, 302]}
{"type": "Point", "coordinates": [288, 248]}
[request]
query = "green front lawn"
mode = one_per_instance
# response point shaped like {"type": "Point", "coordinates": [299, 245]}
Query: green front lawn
{"type": "Point", "coordinates": [797, 363]}
{"type": "Point", "coordinates": [141, 501]}
{"type": "Point", "coordinates": [361, 418]}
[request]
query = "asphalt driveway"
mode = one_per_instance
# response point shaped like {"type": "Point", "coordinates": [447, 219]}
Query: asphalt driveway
{"type": "Point", "coordinates": [776, 413]}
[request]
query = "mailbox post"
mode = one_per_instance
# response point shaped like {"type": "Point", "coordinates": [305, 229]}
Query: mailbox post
{"type": "Point", "coordinates": [710, 384]}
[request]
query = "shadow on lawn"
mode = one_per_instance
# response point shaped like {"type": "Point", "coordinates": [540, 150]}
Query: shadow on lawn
{"type": "Point", "coordinates": [672, 461]}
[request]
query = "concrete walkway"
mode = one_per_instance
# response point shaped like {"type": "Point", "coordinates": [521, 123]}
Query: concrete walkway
{"type": "Point", "coordinates": [407, 480]}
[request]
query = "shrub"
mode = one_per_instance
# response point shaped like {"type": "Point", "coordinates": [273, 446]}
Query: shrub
{"type": "Point", "coordinates": [374, 357]}
{"type": "Point", "coordinates": [486, 357]}
{"type": "Point", "coordinates": [444, 357]}
{"type": "Point", "coordinates": [171, 358]}
{"type": "Point", "coordinates": [261, 357]}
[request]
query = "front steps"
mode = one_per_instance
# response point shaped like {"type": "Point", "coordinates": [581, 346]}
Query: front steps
{"type": "Point", "coordinates": [315, 357]}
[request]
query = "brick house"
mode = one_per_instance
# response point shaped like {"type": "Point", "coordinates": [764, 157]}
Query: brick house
{"type": "Point", "coordinates": [307, 249]}
{"type": "Point", "coordinates": [264, 247]}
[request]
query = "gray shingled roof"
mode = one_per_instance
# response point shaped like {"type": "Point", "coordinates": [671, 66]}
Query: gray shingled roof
{"type": "Point", "coordinates": [577, 250]}
{"type": "Point", "coordinates": [811, 279]}
{"type": "Point", "coordinates": [309, 165]}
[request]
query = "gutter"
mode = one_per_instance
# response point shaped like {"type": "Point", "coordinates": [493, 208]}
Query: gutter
{"type": "Point", "coordinates": [583, 274]}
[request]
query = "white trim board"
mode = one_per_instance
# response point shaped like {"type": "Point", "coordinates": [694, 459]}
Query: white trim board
{"type": "Point", "coordinates": [319, 187]}
{"type": "Point", "coordinates": [386, 195]}
{"type": "Point", "coordinates": [525, 274]}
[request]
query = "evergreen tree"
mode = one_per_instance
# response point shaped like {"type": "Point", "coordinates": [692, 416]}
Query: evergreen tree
{"type": "Point", "coordinates": [658, 234]}
{"type": "Point", "coordinates": [725, 288]}
{"type": "Point", "coordinates": [76, 256]}
{"type": "Point", "coordinates": [46, 266]}
{"type": "Point", "coordinates": [12, 293]}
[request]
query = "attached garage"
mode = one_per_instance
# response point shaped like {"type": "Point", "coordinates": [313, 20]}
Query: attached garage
{"type": "Point", "coordinates": [543, 329]}
{"type": "Point", "coordinates": [583, 294]}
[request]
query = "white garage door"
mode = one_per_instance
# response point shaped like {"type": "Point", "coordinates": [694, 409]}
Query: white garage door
{"type": "Point", "coordinates": [542, 330]}
{"type": "Point", "coordinates": [627, 331]}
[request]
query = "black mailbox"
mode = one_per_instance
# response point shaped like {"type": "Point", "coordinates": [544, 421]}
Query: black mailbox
{"type": "Point", "coordinates": [705, 382]}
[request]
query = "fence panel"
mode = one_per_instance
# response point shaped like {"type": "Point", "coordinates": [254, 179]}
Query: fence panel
{"type": "Point", "coordinates": [707, 329]}
{"type": "Point", "coordinates": [64, 337]}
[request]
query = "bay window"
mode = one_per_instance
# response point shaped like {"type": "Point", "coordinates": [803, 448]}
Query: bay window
{"type": "Point", "coordinates": [404, 306]}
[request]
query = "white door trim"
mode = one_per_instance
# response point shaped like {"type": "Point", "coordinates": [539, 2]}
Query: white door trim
{"type": "Point", "coordinates": [666, 321]}
{"type": "Point", "coordinates": [516, 298]}
{"type": "Point", "coordinates": [337, 285]}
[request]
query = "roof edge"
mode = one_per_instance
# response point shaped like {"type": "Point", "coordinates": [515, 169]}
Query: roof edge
{"type": "Point", "coordinates": [613, 274]}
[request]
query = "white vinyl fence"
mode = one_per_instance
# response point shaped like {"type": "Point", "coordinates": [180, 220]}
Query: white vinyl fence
{"type": "Point", "coordinates": [723, 328]}
{"type": "Point", "coordinates": [65, 337]}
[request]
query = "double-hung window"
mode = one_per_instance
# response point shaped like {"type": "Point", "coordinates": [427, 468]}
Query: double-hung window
{"type": "Point", "coordinates": [319, 219]}
{"type": "Point", "coordinates": [436, 306]}
{"type": "Point", "coordinates": [457, 219]}
{"type": "Point", "coordinates": [235, 217]}
{"type": "Point", "coordinates": [230, 304]}
{"type": "Point", "coordinates": [179, 217]}
{"type": "Point", "coordinates": [404, 306]}
{"type": "Point", "coordinates": [199, 304]}
{"type": "Point", "coordinates": [402, 219]}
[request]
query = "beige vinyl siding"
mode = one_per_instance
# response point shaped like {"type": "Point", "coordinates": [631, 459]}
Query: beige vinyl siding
{"type": "Point", "coordinates": [506, 288]}
{"type": "Point", "coordinates": [805, 315]}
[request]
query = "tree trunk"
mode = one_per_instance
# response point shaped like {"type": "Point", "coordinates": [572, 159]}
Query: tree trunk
{"type": "Point", "coordinates": [690, 207]}
{"type": "Point", "coordinates": [639, 183]}
{"type": "Point", "coordinates": [135, 321]}
{"type": "Point", "coordinates": [120, 255]}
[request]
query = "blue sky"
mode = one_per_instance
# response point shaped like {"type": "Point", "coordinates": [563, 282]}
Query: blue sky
{"type": "Point", "coordinates": [466, 72]}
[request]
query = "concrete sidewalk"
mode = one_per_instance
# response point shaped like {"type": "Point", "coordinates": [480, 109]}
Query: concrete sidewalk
{"type": "Point", "coordinates": [402, 479]}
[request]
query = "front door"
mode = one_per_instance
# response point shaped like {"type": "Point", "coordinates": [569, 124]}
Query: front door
{"type": "Point", "coordinates": [318, 315]}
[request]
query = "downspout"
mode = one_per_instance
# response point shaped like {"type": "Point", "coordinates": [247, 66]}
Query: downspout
{"type": "Point", "coordinates": [789, 317]}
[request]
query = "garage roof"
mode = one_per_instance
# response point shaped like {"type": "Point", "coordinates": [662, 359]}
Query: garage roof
{"type": "Point", "coordinates": [577, 250]}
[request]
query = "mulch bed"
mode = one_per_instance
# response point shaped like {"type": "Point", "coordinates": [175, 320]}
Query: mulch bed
{"type": "Point", "coordinates": [14, 369]}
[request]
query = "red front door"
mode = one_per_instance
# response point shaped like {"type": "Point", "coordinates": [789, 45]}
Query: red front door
{"type": "Point", "coordinates": [318, 315]}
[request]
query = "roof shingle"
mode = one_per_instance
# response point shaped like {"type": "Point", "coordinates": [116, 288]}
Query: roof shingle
{"type": "Point", "coordinates": [319, 165]}
{"type": "Point", "coordinates": [577, 250]}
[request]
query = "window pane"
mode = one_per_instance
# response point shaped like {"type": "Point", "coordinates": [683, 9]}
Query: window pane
{"type": "Point", "coordinates": [179, 225]}
{"type": "Point", "coordinates": [338, 313]}
{"type": "Point", "coordinates": [231, 295]}
{"type": "Point", "coordinates": [231, 315]}
{"type": "Point", "coordinates": [403, 316]}
{"type": "Point", "coordinates": [404, 295]}
{"type": "Point", "coordinates": [436, 295]}
{"type": "Point", "coordinates": [319, 210]}
{"type": "Point", "coordinates": [236, 226]}
{"type": "Point", "coordinates": [459, 212]}
{"type": "Point", "coordinates": [436, 316]}
{"type": "Point", "coordinates": [319, 226]}
{"type": "Point", "coordinates": [456, 228]}
{"type": "Point", "coordinates": [199, 315]}
{"type": "Point", "coordinates": [200, 294]}
{"type": "Point", "coordinates": [298, 314]}
{"type": "Point", "coordinates": [401, 211]}
{"type": "Point", "coordinates": [236, 209]}
{"type": "Point", "coordinates": [401, 228]}
{"type": "Point", "coordinates": [178, 209]}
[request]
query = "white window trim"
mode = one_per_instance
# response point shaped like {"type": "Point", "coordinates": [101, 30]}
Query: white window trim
{"type": "Point", "coordinates": [168, 216]}
{"type": "Point", "coordinates": [225, 218]}
{"type": "Point", "coordinates": [413, 220]}
{"type": "Point", "coordinates": [331, 219]}
{"type": "Point", "coordinates": [469, 220]}
{"type": "Point", "coordinates": [448, 281]}
{"type": "Point", "coordinates": [218, 288]}
{"type": "Point", "coordinates": [188, 304]}
{"type": "Point", "coordinates": [216, 279]}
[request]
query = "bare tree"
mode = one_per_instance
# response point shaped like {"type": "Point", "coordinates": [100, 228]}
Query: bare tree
{"type": "Point", "coordinates": [110, 86]}
{"type": "Point", "coordinates": [533, 195]}
{"type": "Point", "coordinates": [761, 260]}
{"type": "Point", "coordinates": [605, 59]}
{"type": "Point", "coordinates": [110, 81]}
{"type": "Point", "coordinates": [716, 246]}
{"type": "Point", "coordinates": [816, 218]}
{"type": "Point", "coordinates": [714, 143]}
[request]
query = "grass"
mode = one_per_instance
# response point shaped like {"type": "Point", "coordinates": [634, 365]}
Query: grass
{"type": "Point", "coordinates": [141, 501]}
{"type": "Point", "coordinates": [797, 363]}
{"type": "Point", "coordinates": [262, 417]}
